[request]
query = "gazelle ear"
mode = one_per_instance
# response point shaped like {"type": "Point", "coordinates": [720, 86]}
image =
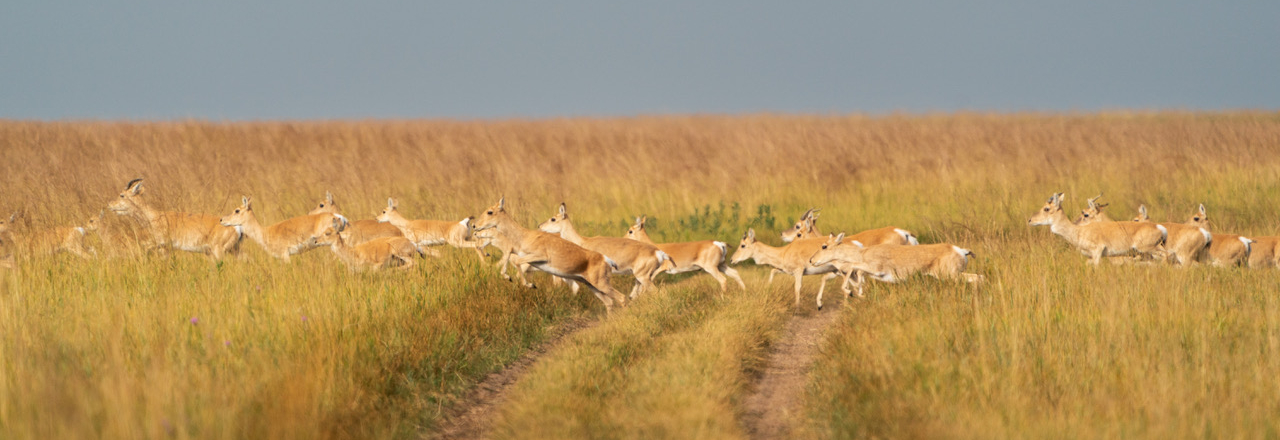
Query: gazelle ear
{"type": "Point", "coordinates": [502, 203]}
{"type": "Point", "coordinates": [134, 187]}
{"type": "Point", "coordinates": [391, 202]}
{"type": "Point", "coordinates": [563, 211]}
{"type": "Point", "coordinates": [1202, 214]}
{"type": "Point", "coordinates": [840, 238]}
{"type": "Point", "coordinates": [751, 233]}
{"type": "Point", "coordinates": [1142, 209]}
{"type": "Point", "coordinates": [328, 197]}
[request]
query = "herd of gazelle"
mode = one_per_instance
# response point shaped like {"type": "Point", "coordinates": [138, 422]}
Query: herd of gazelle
{"type": "Point", "coordinates": [1097, 236]}
{"type": "Point", "coordinates": [887, 254]}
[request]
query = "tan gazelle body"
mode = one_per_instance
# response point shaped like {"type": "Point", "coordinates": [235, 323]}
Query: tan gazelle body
{"type": "Point", "coordinates": [641, 260]}
{"type": "Point", "coordinates": [705, 255]}
{"type": "Point", "coordinates": [284, 239]}
{"type": "Point", "coordinates": [792, 259]}
{"type": "Point", "coordinates": [1186, 242]}
{"type": "Point", "coordinates": [200, 233]}
{"type": "Point", "coordinates": [1225, 249]}
{"type": "Point", "coordinates": [426, 233]}
{"type": "Point", "coordinates": [549, 253]}
{"type": "Point", "coordinates": [69, 239]}
{"type": "Point", "coordinates": [7, 245]}
{"type": "Point", "coordinates": [357, 231]}
{"type": "Point", "coordinates": [372, 254]}
{"type": "Point", "coordinates": [894, 262]}
{"type": "Point", "coordinates": [807, 227]}
{"type": "Point", "coordinates": [1264, 252]}
{"type": "Point", "coordinates": [1097, 240]}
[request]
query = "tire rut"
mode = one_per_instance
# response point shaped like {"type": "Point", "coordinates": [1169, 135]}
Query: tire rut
{"type": "Point", "coordinates": [472, 417]}
{"type": "Point", "coordinates": [774, 404]}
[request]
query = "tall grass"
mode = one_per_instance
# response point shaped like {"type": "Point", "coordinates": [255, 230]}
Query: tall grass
{"type": "Point", "coordinates": [1048, 347]}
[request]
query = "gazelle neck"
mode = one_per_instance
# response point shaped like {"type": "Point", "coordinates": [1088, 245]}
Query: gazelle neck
{"type": "Point", "coordinates": [568, 232]}
{"type": "Point", "coordinates": [1063, 226]}
{"type": "Point", "coordinates": [768, 255]}
{"type": "Point", "coordinates": [252, 229]}
{"type": "Point", "coordinates": [397, 220]}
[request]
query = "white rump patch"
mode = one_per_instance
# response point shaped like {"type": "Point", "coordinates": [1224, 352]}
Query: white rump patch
{"type": "Point", "coordinates": [906, 235]}
{"type": "Point", "coordinates": [662, 256]}
{"type": "Point", "coordinates": [724, 248]}
{"type": "Point", "coordinates": [465, 221]}
{"type": "Point", "coordinates": [610, 262]}
{"type": "Point", "coordinates": [959, 250]}
{"type": "Point", "coordinates": [1208, 237]}
{"type": "Point", "coordinates": [858, 243]}
{"type": "Point", "coordinates": [1163, 231]}
{"type": "Point", "coordinates": [80, 230]}
{"type": "Point", "coordinates": [1248, 244]}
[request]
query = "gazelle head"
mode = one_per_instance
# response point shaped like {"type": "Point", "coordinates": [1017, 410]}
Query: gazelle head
{"type": "Point", "coordinates": [331, 234]}
{"type": "Point", "coordinates": [128, 201]}
{"type": "Point", "coordinates": [746, 248]}
{"type": "Point", "coordinates": [1046, 213]}
{"type": "Point", "coordinates": [490, 217]}
{"type": "Point", "coordinates": [1142, 214]}
{"type": "Point", "coordinates": [241, 215]}
{"type": "Point", "coordinates": [327, 206]}
{"type": "Point", "coordinates": [1200, 218]}
{"type": "Point", "coordinates": [804, 225]}
{"type": "Point", "coordinates": [6, 223]}
{"type": "Point", "coordinates": [637, 230]}
{"type": "Point", "coordinates": [389, 212]}
{"type": "Point", "coordinates": [94, 221]}
{"type": "Point", "coordinates": [555, 224]}
{"type": "Point", "coordinates": [1093, 213]}
{"type": "Point", "coordinates": [827, 253]}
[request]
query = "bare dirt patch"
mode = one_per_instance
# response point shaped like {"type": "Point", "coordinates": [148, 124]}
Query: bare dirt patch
{"type": "Point", "coordinates": [774, 404]}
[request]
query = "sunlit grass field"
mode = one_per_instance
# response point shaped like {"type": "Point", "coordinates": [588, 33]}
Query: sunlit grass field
{"type": "Point", "coordinates": [153, 345]}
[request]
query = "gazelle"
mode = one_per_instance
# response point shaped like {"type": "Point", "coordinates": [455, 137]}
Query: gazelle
{"type": "Point", "coordinates": [1264, 252]}
{"type": "Point", "coordinates": [70, 239]}
{"type": "Point", "coordinates": [641, 260]}
{"type": "Point", "coordinates": [1186, 242]}
{"type": "Point", "coordinates": [807, 227]}
{"type": "Point", "coordinates": [792, 258]}
{"type": "Point", "coordinates": [894, 262]}
{"type": "Point", "coordinates": [199, 233]}
{"type": "Point", "coordinates": [358, 231]}
{"type": "Point", "coordinates": [425, 233]}
{"type": "Point", "coordinates": [1099, 239]}
{"type": "Point", "coordinates": [6, 242]}
{"type": "Point", "coordinates": [1225, 249]}
{"type": "Point", "coordinates": [1094, 212]}
{"type": "Point", "coordinates": [549, 253]}
{"type": "Point", "coordinates": [281, 240]}
{"type": "Point", "coordinates": [706, 255]}
{"type": "Point", "coordinates": [372, 254]}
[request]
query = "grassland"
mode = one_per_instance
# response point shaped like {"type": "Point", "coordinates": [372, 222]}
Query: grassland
{"type": "Point", "coordinates": [175, 346]}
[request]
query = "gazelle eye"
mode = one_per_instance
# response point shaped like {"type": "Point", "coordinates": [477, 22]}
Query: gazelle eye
{"type": "Point", "coordinates": [553, 220]}
{"type": "Point", "coordinates": [1046, 209]}
{"type": "Point", "coordinates": [490, 213]}
{"type": "Point", "coordinates": [743, 246]}
{"type": "Point", "coordinates": [824, 246]}
{"type": "Point", "coordinates": [237, 211]}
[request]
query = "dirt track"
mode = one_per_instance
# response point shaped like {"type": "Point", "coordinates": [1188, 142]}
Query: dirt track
{"type": "Point", "coordinates": [774, 403]}
{"type": "Point", "coordinates": [473, 417]}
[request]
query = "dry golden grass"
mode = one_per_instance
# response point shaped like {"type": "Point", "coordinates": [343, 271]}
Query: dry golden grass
{"type": "Point", "coordinates": [1048, 348]}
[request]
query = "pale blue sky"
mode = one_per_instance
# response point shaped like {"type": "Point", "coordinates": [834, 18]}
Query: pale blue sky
{"type": "Point", "coordinates": [475, 59]}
